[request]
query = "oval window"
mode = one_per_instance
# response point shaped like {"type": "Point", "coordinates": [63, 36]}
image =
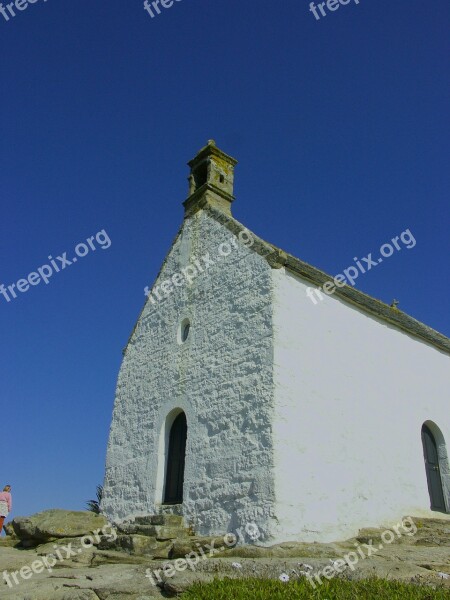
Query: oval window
{"type": "Point", "coordinates": [183, 332]}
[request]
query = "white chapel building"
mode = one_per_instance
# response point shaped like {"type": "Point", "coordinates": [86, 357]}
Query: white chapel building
{"type": "Point", "coordinates": [240, 400]}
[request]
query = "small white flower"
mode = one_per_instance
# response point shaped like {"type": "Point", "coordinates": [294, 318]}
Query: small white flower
{"type": "Point", "coordinates": [308, 567]}
{"type": "Point", "coordinates": [236, 565]}
{"type": "Point", "coordinates": [284, 577]}
{"type": "Point", "coordinates": [304, 573]}
{"type": "Point", "coordinates": [443, 575]}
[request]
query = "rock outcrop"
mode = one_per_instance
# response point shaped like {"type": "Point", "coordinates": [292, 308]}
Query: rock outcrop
{"type": "Point", "coordinates": [129, 570]}
{"type": "Point", "coordinates": [54, 524]}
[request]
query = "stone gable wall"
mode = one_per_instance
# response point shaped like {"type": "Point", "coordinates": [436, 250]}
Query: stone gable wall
{"type": "Point", "coordinates": [221, 377]}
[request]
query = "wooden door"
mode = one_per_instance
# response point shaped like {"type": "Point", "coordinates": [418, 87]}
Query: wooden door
{"type": "Point", "coordinates": [432, 468]}
{"type": "Point", "coordinates": [175, 461]}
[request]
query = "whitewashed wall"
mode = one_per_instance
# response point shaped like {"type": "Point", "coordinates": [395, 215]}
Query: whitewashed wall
{"type": "Point", "coordinates": [351, 395]}
{"type": "Point", "coordinates": [221, 377]}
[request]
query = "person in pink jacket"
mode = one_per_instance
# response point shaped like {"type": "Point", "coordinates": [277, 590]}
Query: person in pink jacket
{"type": "Point", "coordinates": [5, 504]}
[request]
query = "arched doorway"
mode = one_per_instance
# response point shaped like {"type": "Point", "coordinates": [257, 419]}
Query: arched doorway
{"type": "Point", "coordinates": [433, 469]}
{"type": "Point", "coordinates": [173, 489]}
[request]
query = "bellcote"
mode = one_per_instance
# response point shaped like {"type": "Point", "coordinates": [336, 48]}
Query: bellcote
{"type": "Point", "coordinates": [211, 180]}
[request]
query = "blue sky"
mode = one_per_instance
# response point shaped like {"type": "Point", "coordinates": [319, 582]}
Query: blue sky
{"type": "Point", "coordinates": [341, 129]}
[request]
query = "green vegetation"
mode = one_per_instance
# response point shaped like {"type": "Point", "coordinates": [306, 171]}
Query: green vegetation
{"type": "Point", "coordinates": [335, 589]}
{"type": "Point", "coordinates": [94, 505]}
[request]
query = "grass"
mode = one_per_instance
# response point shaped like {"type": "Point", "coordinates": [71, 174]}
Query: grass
{"type": "Point", "coordinates": [334, 589]}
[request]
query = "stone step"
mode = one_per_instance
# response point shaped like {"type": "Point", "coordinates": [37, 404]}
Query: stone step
{"type": "Point", "coordinates": [137, 544]}
{"type": "Point", "coordinates": [170, 533]}
{"type": "Point", "coordinates": [160, 527]}
{"type": "Point", "coordinates": [154, 531]}
{"type": "Point", "coordinates": [135, 529]}
{"type": "Point", "coordinates": [167, 520]}
{"type": "Point", "coordinates": [129, 543]}
{"type": "Point", "coordinates": [171, 509]}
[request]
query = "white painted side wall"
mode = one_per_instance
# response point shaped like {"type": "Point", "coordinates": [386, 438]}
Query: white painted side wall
{"type": "Point", "coordinates": [351, 395]}
{"type": "Point", "coordinates": [221, 378]}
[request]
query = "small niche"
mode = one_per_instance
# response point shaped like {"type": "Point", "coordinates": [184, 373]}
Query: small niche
{"type": "Point", "coordinates": [200, 175]}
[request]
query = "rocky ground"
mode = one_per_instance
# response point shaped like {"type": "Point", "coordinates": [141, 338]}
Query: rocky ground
{"type": "Point", "coordinates": [52, 561]}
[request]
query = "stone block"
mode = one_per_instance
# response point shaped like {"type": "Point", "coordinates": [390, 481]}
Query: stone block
{"type": "Point", "coordinates": [134, 544]}
{"type": "Point", "coordinates": [169, 533]}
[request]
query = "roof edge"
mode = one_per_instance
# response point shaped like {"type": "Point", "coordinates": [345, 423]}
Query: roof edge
{"type": "Point", "coordinates": [277, 259]}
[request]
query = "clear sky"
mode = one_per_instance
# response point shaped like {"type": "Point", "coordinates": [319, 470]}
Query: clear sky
{"type": "Point", "coordinates": [341, 129]}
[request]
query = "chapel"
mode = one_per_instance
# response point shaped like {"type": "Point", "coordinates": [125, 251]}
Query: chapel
{"type": "Point", "coordinates": [239, 400]}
